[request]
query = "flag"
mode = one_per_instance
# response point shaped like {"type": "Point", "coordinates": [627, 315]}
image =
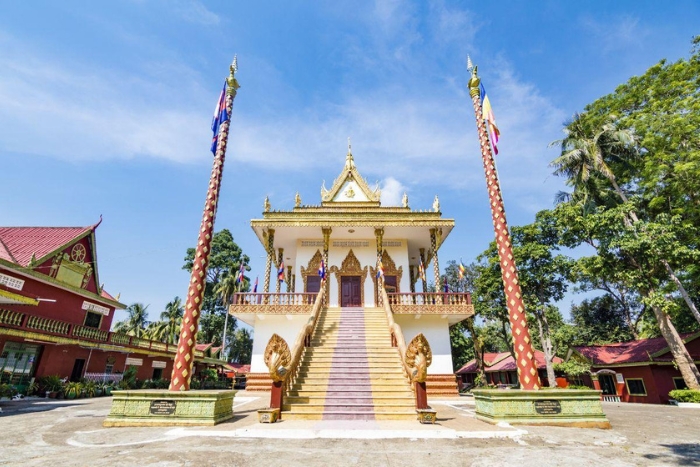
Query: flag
{"type": "Point", "coordinates": [446, 286]}
{"type": "Point", "coordinates": [421, 270]}
{"type": "Point", "coordinates": [380, 269]}
{"type": "Point", "coordinates": [322, 270]}
{"type": "Point", "coordinates": [461, 270]}
{"type": "Point", "coordinates": [255, 287]}
{"type": "Point", "coordinates": [280, 272]}
{"type": "Point", "coordinates": [220, 116]}
{"type": "Point", "coordinates": [241, 270]}
{"type": "Point", "coordinates": [494, 133]}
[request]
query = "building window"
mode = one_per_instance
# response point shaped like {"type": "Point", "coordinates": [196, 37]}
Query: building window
{"type": "Point", "coordinates": [109, 368]}
{"type": "Point", "coordinates": [679, 383]}
{"type": "Point", "coordinates": [157, 373]}
{"type": "Point", "coordinates": [93, 320]}
{"type": "Point", "coordinates": [635, 387]}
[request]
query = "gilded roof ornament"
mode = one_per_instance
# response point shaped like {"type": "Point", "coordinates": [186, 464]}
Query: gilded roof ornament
{"type": "Point", "coordinates": [231, 81]}
{"type": "Point", "coordinates": [266, 204]}
{"type": "Point", "coordinates": [404, 200]}
{"type": "Point", "coordinates": [297, 200]}
{"type": "Point", "coordinates": [474, 80]}
{"type": "Point", "coordinates": [436, 204]}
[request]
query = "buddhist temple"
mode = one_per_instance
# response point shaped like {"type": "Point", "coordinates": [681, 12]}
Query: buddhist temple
{"type": "Point", "coordinates": [370, 266]}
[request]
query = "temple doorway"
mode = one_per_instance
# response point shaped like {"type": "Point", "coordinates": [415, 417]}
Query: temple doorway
{"type": "Point", "coordinates": [350, 291]}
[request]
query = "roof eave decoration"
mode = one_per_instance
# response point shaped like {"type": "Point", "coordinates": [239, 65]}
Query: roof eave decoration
{"type": "Point", "coordinates": [350, 172]}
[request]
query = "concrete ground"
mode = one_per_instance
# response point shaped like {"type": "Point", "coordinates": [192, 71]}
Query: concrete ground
{"type": "Point", "coordinates": [70, 433]}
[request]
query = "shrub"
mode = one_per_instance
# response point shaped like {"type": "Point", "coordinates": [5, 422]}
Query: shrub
{"type": "Point", "coordinates": [685, 395]}
{"type": "Point", "coordinates": [51, 383]}
{"type": "Point", "coordinates": [7, 390]}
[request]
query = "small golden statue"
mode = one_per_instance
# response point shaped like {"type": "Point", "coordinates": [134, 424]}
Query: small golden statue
{"type": "Point", "coordinates": [404, 200]}
{"type": "Point", "coordinates": [297, 200]}
{"type": "Point", "coordinates": [266, 204]}
{"type": "Point", "coordinates": [436, 204]}
{"type": "Point", "coordinates": [418, 358]}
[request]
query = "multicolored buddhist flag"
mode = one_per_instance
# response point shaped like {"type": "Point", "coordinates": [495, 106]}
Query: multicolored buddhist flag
{"type": "Point", "coordinates": [462, 269]}
{"type": "Point", "coordinates": [380, 269]}
{"type": "Point", "coordinates": [280, 272]}
{"type": "Point", "coordinates": [322, 270]}
{"type": "Point", "coordinates": [255, 287]}
{"type": "Point", "coordinates": [421, 270]}
{"type": "Point", "coordinates": [220, 116]}
{"type": "Point", "coordinates": [494, 133]}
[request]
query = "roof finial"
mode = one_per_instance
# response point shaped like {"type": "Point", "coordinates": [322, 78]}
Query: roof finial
{"type": "Point", "coordinates": [231, 81]}
{"type": "Point", "coordinates": [470, 65]}
{"type": "Point", "coordinates": [349, 162]}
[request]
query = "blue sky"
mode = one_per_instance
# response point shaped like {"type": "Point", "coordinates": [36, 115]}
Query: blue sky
{"type": "Point", "coordinates": [105, 109]}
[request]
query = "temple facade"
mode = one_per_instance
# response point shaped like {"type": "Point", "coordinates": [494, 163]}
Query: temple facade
{"type": "Point", "coordinates": [349, 236]}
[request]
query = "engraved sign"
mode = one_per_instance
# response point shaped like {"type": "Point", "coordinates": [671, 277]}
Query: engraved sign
{"type": "Point", "coordinates": [547, 407]}
{"type": "Point", "coordinates": [162, 407]}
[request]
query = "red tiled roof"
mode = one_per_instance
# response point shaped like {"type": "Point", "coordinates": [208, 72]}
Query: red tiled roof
{"type": "Point", "coordinates": [626, 352]}
{"type": "Point", "coordinates": [107, 295]}
{"type": "Point", "coordinates": [202, 347]}
{"type": "Point", "coordinates": [503, 362]}
{"type": "Point", "coordinates": [19, 244]}
{"type": "Point", "coordinates": [239, 368]}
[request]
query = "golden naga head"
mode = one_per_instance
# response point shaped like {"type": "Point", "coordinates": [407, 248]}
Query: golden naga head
{"type": "Point", "coordinates": [277, 357]}
{"type": "Point", "coordinates": [418, 358]}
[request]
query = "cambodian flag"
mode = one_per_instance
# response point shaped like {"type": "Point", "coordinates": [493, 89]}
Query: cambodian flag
{"type": "Point", "coordinates": [255, 287]}
{"type": "Point", "coordinates": [322, 270]}
{"type": "Point", "coordinates": [241, 270]}
{"type": "Point", "coordinates": [220, 116]}
{"type": "Point", "coordinates": [280, 272]}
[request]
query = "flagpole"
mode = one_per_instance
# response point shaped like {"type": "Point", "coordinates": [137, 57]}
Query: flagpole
{"type": "Point", "coordinates": [522, 342]}
{"type": "Point", "coordinates": [184, 358]}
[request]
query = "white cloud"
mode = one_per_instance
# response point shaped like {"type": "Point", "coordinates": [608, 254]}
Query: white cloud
{"type": "Point", "coordinates": [195, 12]}
{"type": "Point", "coordinates": [392, 192]}
{"type": "Point", "coordinates": [617, 34]}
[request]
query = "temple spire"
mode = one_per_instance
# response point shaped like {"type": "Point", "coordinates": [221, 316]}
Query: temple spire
{"type": "Point", "coordinates": [349, 161]}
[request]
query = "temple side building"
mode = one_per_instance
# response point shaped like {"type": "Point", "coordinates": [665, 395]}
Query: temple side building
{"type": "Point", "coordinates": [349, 232]}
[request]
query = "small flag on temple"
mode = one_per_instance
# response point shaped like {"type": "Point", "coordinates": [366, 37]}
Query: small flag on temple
{"type": "Point", "coordinates": [494, 133]}
{"type": "Point", "coordinates": [280, 272]}
{"type": "Point", "coordinates": [322, 270]}
{"type": "Point", "coordinates": [421, 270]}
{"type": "Point", "coordinates": [241, 270]}
{"type": "Point", "coordinates": [446, 286]}
{"type": "Point", "coordinates": [255, 287]}
{"type": "Point", "coordinates": [220, 116]}
{"type": "Point", "coordinates": [461, 270]}
{"type": "Point", "coordinates": [380, 269]}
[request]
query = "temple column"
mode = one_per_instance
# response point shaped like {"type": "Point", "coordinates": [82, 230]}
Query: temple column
{"type": "Point", "coordinates": [280, 259]}
{"type": "Point", "coordinates": [288, 279]}
{"type": "Point", "coordinates": [434, 234]}
{"type": "Point", "coordinates": [522, 343]}
{"type": "Point", "coordinates": [184, 358]}
{"type": "Point", "coordinates": [423, 258]}
{"type": "Point", "coordinates": [379, 237]}
{"type": "Point", "coordinates": [326, 243]}
{"type": "Point", "coordinates": [270, 254]}
{"type": "Point", "coordinates": [294, 282]}
{"type": "Point", "coordinates": [412, 278]}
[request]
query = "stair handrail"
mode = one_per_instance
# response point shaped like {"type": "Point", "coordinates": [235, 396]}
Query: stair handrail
{"type": "Point", "coordinates": [396, 333]}
{"type": "Point", "coordinates": [303, 339]}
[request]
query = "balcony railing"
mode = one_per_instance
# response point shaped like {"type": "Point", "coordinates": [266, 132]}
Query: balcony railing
{"type": "Point", "coordinates": [431, 303]}
{"type": "Point", "coordinates": [16, 320]}
{"type": "Point", "coordinates": [274, 303]}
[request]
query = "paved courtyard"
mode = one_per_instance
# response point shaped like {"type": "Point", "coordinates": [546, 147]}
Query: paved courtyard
{"type": "Point", "coordinates": [70, 433]}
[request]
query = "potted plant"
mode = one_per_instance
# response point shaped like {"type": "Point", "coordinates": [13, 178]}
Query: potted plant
{"type": "Point", "coordinates": [89, 388]}
{"type": "Point", "coordinates": [72, 389]}
{"type": "Point", "coordinates": [51, 385]}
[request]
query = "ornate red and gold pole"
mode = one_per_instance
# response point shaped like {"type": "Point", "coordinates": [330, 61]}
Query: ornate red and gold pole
{"type": "Point", "coordinates": [184, 359]}
{"type": "Point", "coordinates": [522, 343]}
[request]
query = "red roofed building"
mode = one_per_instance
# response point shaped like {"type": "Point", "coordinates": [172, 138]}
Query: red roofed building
{"type": "Point", "coordinates": [500, 369]}
{"type": "Point", "coordinates": [635, 371]}
{"type": "Point", "coordinates": [55, 316]}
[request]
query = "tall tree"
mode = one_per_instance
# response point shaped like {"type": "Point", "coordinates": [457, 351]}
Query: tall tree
{"type": "Point", "coordinates": [225, 258]}
{"type": "Point", "coordinates": [136, 323]}
{"type": "Point", "coordinates": [225, 289]}
{"type": "Point", "coordinates": [168, 328]}
{"type": "Point", "coordinates": [241, 347]}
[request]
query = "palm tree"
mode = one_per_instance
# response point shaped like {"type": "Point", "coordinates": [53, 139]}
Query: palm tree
{"type": "Point", "coordinates": [168, 328]}
{"type": "Point", "coordinates": [585, 154]}
{"type": "Point", "coordinates": [225, 289]}
{"type": "Point", "coordinates": [136, 323]}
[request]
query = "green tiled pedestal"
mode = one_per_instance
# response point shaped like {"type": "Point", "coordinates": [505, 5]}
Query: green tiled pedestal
{"type": "Point", "coordinates": [554, 407]}
{"type": "Point", "coordinates": [159, 407]}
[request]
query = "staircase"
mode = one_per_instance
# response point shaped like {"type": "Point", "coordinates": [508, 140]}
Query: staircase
{"type": "Point", "coordinates": [350, 371]}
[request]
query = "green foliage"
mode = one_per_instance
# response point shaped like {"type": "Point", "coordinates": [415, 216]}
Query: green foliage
{"type": "Point", "coordinates": [225, 260]}
{"type": "Point", "coordinates": [241, 347]}
{"type": "Point", "coordinates": [208, 374]}
{"type": "Point", "coordinates": [51, 383]}
{"type": "Point", "coordinates": [7, 390]}
{"type": "Point", "coordinates": [573, 368]}
{"type": "Point", "coordinates": [129, 378]}
{"type": "Point", "coordinates": [136, 323]}
{"type": "Point", "coordinates": [685, 395]}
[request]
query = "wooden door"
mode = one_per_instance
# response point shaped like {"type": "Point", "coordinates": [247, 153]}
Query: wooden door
{"type": "Point", "coordinates": [313, 285]}
{"type": "Point", "coordinates": [350, 291]}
